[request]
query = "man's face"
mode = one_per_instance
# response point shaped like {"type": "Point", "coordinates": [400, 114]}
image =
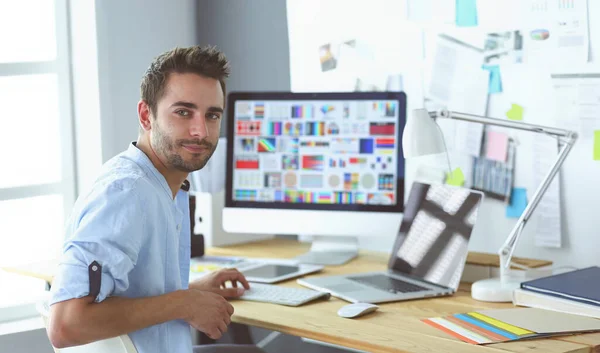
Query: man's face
{"type": "Point", "coordinates": [185, 130]}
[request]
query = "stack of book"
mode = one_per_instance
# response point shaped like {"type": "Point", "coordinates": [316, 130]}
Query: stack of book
{"type": "Point", "coordinates": [574, 292]}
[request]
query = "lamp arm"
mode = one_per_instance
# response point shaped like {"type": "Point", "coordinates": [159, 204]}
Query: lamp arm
{"type": "Point", "coordinates": [507, 249]}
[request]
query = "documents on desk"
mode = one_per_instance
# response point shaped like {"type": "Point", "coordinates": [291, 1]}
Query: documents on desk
{"type": "Point", "coordinates": [503, 325]}
{"type": "Point", "coordinates": [263, 270]}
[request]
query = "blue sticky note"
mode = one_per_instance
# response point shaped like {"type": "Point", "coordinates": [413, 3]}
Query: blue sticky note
{"type": "Point", "coordinates": [466, 13]}
{"type": "Point", "coordinates": [495, 84]}
{"type": "Point", "coordinates": [518, 202]}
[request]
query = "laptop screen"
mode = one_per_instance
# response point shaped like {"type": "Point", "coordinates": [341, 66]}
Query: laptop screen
{"type": "Point", "coordinates": [433, 240]}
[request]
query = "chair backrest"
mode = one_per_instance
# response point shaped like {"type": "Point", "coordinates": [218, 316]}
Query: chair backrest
{"type": "Point", "coordinates": [121, 344]}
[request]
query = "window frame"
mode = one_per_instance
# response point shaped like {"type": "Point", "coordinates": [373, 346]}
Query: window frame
{"type": "Point", "coordinates": [67, 186]}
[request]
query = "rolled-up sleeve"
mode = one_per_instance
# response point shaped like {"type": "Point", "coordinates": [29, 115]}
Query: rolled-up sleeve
{"type": "Point", "coordinates": [107, 228]}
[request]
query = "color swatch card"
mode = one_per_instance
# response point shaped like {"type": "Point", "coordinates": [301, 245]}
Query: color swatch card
{"type": "Point", "coordinates": [502, 325]}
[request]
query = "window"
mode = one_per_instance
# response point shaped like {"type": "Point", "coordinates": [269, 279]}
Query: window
{"type": "Point", "coordinates": [37, 178]}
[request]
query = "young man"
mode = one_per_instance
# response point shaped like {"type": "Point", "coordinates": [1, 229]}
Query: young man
{"type": "Point", "coordinates": [126, 257]}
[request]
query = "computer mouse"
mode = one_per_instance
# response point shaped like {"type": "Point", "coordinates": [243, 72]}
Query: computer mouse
{"type": "Point", "coordinates": [357, 309]}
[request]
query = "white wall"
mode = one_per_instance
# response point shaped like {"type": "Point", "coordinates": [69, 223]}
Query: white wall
{"type": "Point", "coordinates": [113, 43]}
{"type": "Point", "coordinates": [528, 84]}
{"type": "Point", "coordinates": [253, 36]}
{"type": "Point", "coordinates": [130, 34]}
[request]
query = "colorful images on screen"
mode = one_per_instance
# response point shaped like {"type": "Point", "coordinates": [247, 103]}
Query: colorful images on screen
{"type": "Point", "coordinates": [316, 152]}
{"type": "Point", "coordinates": [327, 109]}
{"type": "Point", "coordinates": [386, 109]}
{"type": "Point", "coordinates": [303, 111]}
{"type": "Point", "coordinates": [312, 162]}
{"type": "Point", "coordinates": [266, 144]}
{"type": "Point", "coordinates": [259, 111]}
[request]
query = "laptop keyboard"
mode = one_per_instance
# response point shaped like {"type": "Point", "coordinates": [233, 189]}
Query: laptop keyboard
{"type": "Point", "coordinates": [388, 284]}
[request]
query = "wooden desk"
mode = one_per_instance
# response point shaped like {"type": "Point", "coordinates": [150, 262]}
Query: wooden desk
{"type": "Point", "coordinates": [395, 327]}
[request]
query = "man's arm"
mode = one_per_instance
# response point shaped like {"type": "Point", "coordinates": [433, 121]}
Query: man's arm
{"type": "Point", "coordinates": [80, 321]}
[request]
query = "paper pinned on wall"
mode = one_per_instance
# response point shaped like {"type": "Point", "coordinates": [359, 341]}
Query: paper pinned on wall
{"type": "Point", "coordinates": [549, 225]}
{"type": "Point", "coordinates": [466, 13]}
{"type": "Point", "coordinates": [577, 100]}
{"type": "Point", "coordinates": [431, 11]}
{"type": "Point", "coordinates": [459, 84]}
{"type": "Point", "coordinates": [558, 30]}
{"type": "Point", "coordinates": [517, 204]}
{"type": "Point", "coordinates": [515, 112]}
{"type": "Point", "coordinates": [468, 137]}
{"type": "Point", "coordinates": [503, 47]}
{"type": "Point", "coordinates": [572, 31]}
{"type": "Point", "coordinates": [496, 146]}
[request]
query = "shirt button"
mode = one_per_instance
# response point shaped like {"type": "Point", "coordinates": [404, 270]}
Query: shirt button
{"type": "Point", "coordinates": [178, 226]}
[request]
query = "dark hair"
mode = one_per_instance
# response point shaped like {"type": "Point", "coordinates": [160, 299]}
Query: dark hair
{"type": "Point", "coordinates": [204, 61]}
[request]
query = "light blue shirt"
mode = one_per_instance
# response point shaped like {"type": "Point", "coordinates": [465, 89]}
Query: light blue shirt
{"type": "Point", "coordinates": [130, 223]}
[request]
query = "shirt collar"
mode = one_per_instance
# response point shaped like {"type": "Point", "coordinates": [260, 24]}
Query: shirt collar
{"type": "Point", "coordinates": [139, 157]}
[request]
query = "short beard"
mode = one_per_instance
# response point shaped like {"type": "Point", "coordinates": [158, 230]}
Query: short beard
{"type": "Point", "coordinates": [164, 146]}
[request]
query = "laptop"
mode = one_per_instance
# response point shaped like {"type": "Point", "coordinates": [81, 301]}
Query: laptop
{"type": "Point", "coordinates": [429, 253]}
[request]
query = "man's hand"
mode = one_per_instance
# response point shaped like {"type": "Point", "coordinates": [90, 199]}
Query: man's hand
{"type": "Point", "coordinates": [216, 282]}
{"type": "Point", "coordinates": [208, 312]}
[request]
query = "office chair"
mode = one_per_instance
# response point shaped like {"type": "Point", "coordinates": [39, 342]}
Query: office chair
{"type": "Point", "coordinates": [121, 344]}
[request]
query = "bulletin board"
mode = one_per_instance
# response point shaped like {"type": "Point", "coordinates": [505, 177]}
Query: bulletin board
{"type": "Point", "coordinates": [344, 45]}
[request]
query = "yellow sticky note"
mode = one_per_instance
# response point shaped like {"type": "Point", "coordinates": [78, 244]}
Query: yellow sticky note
{"type": "Point", "coordinates": [457, 178]}
{"type": "Point", "coordinates": [597, 145]}
{"type": "Point", "coordinates": [515, 112]}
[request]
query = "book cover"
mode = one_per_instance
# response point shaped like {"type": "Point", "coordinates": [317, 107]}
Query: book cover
{"type": "Point", "coordinates": [580, 285]}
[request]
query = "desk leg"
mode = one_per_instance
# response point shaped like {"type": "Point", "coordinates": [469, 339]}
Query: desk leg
{"type": "Point", "coordinates": [239, 334]}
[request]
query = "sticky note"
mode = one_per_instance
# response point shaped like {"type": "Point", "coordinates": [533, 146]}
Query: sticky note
{"type": "Point", "coordinates": [457, 178]}
{"type": "Point", "coordinates": [496, 146]}
{"type": "Point", "coordinates": [495, 83]}
{"type": "Point", "coordinates": [597, 145]}
{"type": "Point", "coordinates": [515, 112]}
{"type": "Point", "coordinates": [518, 202]}
{"type": "Point", "coordinates": [466, 13]}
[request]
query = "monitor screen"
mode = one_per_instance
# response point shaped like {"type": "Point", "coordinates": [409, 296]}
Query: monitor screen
{"type": "Point", "coordinates": [329, 151]}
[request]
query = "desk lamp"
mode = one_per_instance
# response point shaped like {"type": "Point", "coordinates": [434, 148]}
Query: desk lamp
{"type": "Point", "coordinates": [422, 136]}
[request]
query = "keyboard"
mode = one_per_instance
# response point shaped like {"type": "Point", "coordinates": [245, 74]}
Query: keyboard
{"type": "Point", "coordinates": [269, 293]}
{"type": "Point", "coordinates": [388, 284]}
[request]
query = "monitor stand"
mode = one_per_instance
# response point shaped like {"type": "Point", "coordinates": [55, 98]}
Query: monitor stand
{"type": "Point", "coordinates": [330, 250]}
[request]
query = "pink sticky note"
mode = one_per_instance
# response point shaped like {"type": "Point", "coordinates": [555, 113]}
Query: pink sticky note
{"type": "Point", "coordinates": [497, 146]}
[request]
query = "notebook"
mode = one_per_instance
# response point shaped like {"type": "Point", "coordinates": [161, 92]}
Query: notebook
{"type": "Point", "coordinates": [579, 285]}
{"type": "Point", "coordinates": [522, 297]}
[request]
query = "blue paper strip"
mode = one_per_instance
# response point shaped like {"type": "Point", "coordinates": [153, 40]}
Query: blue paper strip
{"type": "Point", "coordinates": [486, 326]}
{"type": "Point", "coordinates": [466, 13]}
{"type": "Point", "coordinates": [495, 83]}
{"type": "Point", "coordinates": [518, 202]}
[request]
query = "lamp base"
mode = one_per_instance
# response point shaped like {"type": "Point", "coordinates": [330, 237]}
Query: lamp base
{"type": "Point", "coordinates": [494, 290]}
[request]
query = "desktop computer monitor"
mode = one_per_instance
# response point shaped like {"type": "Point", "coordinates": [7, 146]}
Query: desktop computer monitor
{"type": "Point", "coordinates": [329, 165]}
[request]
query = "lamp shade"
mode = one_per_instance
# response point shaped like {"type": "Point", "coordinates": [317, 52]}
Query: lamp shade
{"type": "Point", "coordinates": [421, 136]}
